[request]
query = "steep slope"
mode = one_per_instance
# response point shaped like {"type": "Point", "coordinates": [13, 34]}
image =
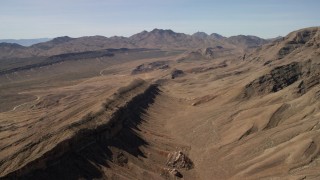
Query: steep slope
{"type": "Point", "coordinates": [302, 44]}
{"type": "Point", "coordinates": [109, 143]}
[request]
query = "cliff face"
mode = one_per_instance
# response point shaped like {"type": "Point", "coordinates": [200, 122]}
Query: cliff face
{"type": "Point", "coordinates": [306, 73]}
{"type": "Point", "coordinates": [92, 138]}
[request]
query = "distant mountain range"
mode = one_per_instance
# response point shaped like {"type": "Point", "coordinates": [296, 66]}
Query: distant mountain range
{"type": "Point", "coordinates": [155, 39]}
{"type": "Point", "coordinates": [25, 42]}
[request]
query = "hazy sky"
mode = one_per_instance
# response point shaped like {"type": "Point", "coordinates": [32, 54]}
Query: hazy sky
{"type": "Point", "coordinates": [52, 18]}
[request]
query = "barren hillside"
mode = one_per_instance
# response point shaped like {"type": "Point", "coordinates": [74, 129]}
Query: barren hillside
{"type": "Point", "coordinates": [208, 111]}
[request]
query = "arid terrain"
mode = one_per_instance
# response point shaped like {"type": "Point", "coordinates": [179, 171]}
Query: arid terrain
{"type": "Point", "coordinates": [161, 105]}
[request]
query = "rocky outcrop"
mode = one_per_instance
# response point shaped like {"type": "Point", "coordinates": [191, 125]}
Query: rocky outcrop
{"type": "Point", "coordinates": [303, 43]}
{"type": "Point", "coordinates": [205, 69]}
{"type": "Point", "coordinates": [176, 163]}
{"type": "Point", "coordinates": [283, 76]}
{"type": "Point", "coordinates": [208, 53]}
{"type": "Point", "coordinates": [176, 73]}
{"type": "Point", "coordinates": [179, 160]}
{"type": "Point", "coordinates": [296, 40]}
{"type": "Point", "coordinates": [277, 79]}
{"type": "Point", "coordinates": [95, 132]}
{"type": "Point", "coordinates": [307, 84]}
{"type": "Point", "coordinates": [143, 68]}
{"type": "Point", "coordinates": [310, 78]}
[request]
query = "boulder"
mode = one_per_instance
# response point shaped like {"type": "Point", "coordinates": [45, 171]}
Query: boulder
{"type": "Point", "coordinates": [176, 73]}
{"type": "Point", "coordinates": [179, 160]}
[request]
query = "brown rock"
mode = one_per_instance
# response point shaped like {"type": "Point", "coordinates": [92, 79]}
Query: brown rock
{"type": "Point", "coordinates": [179, 160]}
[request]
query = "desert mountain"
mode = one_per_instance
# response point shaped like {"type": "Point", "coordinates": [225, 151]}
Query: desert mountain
{"type": "Point", "coordinates": [54, 42]}
{"type": "Point", "coordinates": [12, 50]}
{"type": "Point", "coordinates": [25, 42]}
{"type": "Point", "coordinates": [155, 39]}
{"type": "Point", "coordinates": [213, 36]}
{"type": "Point", "coordinates": [168, 39]}
{"type": "Point", "coordinates": [301, 44]}
{"type": "Point", "coordinates": [10, 46]}
{"type": "Point", "coordinates": [217, 36]}
{"type": "Point", "coordinates": [246, 41]}
{"type": "Point", "coordinates": [201, 35]}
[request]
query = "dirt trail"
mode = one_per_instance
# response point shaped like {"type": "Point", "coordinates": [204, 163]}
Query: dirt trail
{"type": "Point", "coordinates": [37, 99]}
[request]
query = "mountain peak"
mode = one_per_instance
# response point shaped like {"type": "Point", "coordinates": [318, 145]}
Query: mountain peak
{"type": "Point", "coordinates": [302, 36]}
{"type": "Point", "coordinates": [10, 45]}
{"type": "Point", "coordinates": [61, 39]}
{"type": "Point", "coordinates": [247, 41]}
{"type": "Point", "coordinates": [50, 44]}
{"type": "Point", "coordinates": [162, 31]}
{"type": "Point", "coordinates": [201, 35]}
{"type": "Point", "coordinates": [216, 36]}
